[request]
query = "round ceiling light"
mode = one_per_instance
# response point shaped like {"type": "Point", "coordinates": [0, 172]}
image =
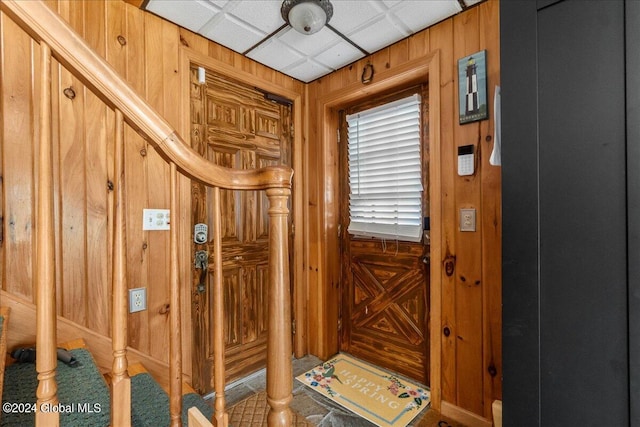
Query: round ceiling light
{"type": "Point", "coordinates": [307, 16]}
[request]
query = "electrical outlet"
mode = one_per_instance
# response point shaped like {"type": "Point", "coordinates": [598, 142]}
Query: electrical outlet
{"type": "Point", "coordinates": [137, 300]}
{"type": "Point", "coordinates": [156, 219]}
{"type": "Point", "coordinates": [467, 220]}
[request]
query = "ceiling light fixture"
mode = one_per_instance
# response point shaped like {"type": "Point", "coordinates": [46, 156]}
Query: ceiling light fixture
{"type": "Point", "coordinates": [307, 16]}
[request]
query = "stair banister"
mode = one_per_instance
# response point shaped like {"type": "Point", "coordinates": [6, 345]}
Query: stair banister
{"type": "Point", "coordinates": [120, 381]}
{"type": "Point", "coordinates": [46, 359]}
{"type": "Point", "coordinates": [175, 334]}
{"type": "Point", "coordinates": [220, 415]}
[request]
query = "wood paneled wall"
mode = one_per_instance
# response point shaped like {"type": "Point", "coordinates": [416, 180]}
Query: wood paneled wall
{"type": "Point", "coordinates": [470, 299]}
{"type": "Point", "coordinates": [146, 51]}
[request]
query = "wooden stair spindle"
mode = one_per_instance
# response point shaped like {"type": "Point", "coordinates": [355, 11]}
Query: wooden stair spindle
{"type": "Point", "coordinates": [175, 334]}
{"type": "Point", "coordinates": [220, 416]}
{"type": "Point", "coordinates": [279, 369]}
{"type": "Point", "coordinates": [46, 359]}
{"type": "Point", "coordinates": [120, 381]}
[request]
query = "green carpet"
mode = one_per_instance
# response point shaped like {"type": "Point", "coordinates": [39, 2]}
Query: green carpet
{"type": "Point", "coordinates": [82, 392]}
{"type": "Point", "coordinates": [84, 396]}
{"type": "Point", "coordinates": [150, 403]}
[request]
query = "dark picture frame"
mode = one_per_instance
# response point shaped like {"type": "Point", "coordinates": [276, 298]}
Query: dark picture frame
{"type": "Point", "coordinates": [472, 88]}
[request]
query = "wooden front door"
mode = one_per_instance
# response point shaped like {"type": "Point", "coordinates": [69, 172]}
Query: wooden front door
{"type": "Point", "coordinates": [385, 284]}
{"type": "Point", "coordinates": [234, 126]}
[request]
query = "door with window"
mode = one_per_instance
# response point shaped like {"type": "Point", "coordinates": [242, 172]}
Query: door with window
{"type": "Point", "coordinates": [385, 282]}
{"type": "Point", "coordinates": [235, 126]}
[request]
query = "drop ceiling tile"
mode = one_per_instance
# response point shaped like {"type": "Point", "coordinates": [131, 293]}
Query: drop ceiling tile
{"type": "Point", "coordinates": [264, 15]}
{"type": "Point", "coordinates": [307, 70]}
{"type": "Point", "coordinates": [241, 24]}
{"type": "Point", "coordinates": [309, 44]}
{"type": "Point", "coordinates": [377, 35]}
{"type": "Point", "coordinates": [192, 17]}
{"type": "Point", "coordinates": [275, 54]}
{"type": "Point", "coordinates": [219, 3]}
{"type": "Point", "coordinates": [418, 14]}
{"type": "Point", "coordinates": [339, 55]}
{"type": "Point", "coordinates": [349, 15]}
{"type": "Point", "coordinates": [232, 33]}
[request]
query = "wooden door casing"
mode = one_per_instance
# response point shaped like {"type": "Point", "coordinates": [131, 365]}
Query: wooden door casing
{"type": "Point", "coordinates": [385, 284]}
{"type": "Point", "coordinates": [235, 126]}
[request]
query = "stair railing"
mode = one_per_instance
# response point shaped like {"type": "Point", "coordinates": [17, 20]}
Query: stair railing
{"type": "Point", "coordinates": [58, 40]}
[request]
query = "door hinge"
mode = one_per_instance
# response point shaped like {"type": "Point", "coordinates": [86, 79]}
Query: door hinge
{"type": "Point", "coordinates": [339, 230]}
{"type": "Point", "coordinates": [338, 135]}
{"type": "Point", "coordinates": [339, 323]}
{"type": "Point", "coordinates": [293, 326]}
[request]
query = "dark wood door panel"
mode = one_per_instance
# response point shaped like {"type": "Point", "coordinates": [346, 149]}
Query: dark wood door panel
{"type": "Point", "coordinates": [386, 307]}
{"type": "Point", "coordinates": [236, 128]}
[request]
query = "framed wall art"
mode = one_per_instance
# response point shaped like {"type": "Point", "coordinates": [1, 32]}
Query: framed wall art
{"type": "Point", "coordinates": [472, 87]}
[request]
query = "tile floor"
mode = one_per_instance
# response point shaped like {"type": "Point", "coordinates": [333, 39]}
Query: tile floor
{"type": "Point", "coordinates": [315, 408]}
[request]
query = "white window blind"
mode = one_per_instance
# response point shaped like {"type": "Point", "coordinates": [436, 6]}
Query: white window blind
{"type": "Point", "coordinates": [385, 171]}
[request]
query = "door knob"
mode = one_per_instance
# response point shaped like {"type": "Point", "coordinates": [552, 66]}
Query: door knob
{"type": "Point", "coordinates": [202, 263]}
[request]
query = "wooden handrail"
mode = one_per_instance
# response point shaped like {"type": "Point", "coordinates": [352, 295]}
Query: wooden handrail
{"type": "Point", "coordinates": [68, 47]}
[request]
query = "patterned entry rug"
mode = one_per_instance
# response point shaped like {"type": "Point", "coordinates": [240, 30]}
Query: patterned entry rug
{"type": "Point", "coordinates": [252, 412]}
{"type": "Point", "coordinates": [376, 395]}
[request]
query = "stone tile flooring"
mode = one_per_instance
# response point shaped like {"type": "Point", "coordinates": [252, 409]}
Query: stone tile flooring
{"type": "Point", "coordinates": [315, 408]}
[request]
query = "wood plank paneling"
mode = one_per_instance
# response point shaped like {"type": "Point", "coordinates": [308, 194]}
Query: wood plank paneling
{"type": "Point", "coordinates": [441, 38]}
{"type": "Point", "coordinates": [491, 184]}
{"type": "Point", "coordinates": [72, 178]}
{"type": "Point", "coordinates": [468, 293]}
{"type": "Point", "coordinates": [18, 134]}
{"type": "Point", "coordinates": [136, 178]}
{"type": "Point", "coordinates": [98, 133]}
{"type": "Point", "coordinates": [158, 197]}
{"type": "Point", "coordinates": [469, 298]}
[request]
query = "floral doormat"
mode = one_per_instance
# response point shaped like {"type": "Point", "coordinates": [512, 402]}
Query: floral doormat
{"type": "Point", "coordinates": [374, 394]}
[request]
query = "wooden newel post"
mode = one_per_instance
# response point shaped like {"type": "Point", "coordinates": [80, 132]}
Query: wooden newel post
{"type": "Point", "coordinates": [279, 370]}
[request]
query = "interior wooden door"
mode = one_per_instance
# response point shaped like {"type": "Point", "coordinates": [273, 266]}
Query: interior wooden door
{"type": "Point", "coordinates": [234, 126]}
{"type": "Point", "coordinates": [385, 284]}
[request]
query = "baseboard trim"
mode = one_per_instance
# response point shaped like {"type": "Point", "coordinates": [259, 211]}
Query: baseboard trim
{"type": "Point", "coordinates": [463, 416]}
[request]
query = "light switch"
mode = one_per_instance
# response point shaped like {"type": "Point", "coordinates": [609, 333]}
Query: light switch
{"type": "Point", "coordinates": [467, 220]}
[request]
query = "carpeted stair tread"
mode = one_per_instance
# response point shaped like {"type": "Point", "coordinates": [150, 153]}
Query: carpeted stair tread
{"type": "Point", "coordinates": [82, 393]}
{"type": "Point", "coordinates": [150, 403]}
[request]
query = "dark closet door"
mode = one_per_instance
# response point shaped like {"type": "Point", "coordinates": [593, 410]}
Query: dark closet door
{"type": "Point", "coordinates": [570, 292]}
